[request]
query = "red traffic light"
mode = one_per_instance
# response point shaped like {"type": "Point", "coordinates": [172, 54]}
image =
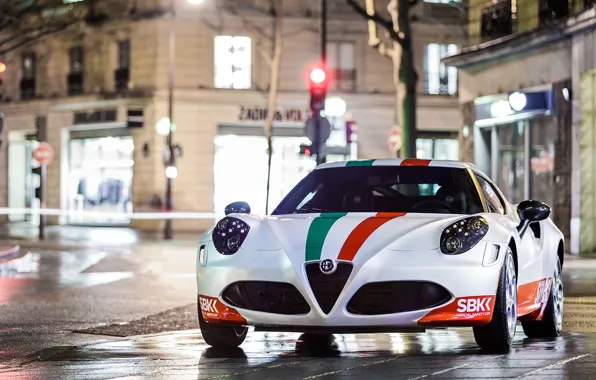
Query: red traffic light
{"type": "Point", "coordinates": [318, 75]}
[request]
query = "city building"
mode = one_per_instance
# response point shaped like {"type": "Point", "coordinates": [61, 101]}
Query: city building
{"type": "Point", "coordinates": [526, 93]}
{"type": "Point", "coordinates": [79, 88]}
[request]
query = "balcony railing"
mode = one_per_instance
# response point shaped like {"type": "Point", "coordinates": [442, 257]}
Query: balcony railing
{"type": "Point", "coordinates": [496, 21]}
{"type": "Point", "coordinates": [343, 80]}
{"type": "Point", "coordinates": [75, 84]}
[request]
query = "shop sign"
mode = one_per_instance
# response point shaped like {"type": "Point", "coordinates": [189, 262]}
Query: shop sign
{"type": "Point", "coordinates": [512, 104]}
{"type": "Point", "coordinates": [93, 117]}
{"type": "Point", "coordinates": [292, 115]}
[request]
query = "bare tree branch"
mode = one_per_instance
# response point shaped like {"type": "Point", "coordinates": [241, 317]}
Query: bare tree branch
{"type": "Point", "coordinates": [388, 25]}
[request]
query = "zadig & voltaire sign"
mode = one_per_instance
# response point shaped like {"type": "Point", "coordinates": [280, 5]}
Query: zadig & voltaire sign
{"type": "Point", "coordinates": [296, 115]}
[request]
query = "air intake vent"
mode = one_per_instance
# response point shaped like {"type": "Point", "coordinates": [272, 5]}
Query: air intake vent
{"type": "Point", "coordinates": [328, 287]}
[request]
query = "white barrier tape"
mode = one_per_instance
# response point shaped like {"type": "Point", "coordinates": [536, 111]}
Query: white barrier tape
{"type": "Point", "coordinates": [134, 215]}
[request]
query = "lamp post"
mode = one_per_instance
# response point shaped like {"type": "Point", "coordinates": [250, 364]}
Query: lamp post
{"type": "Point", "coordinates": [168, 234]}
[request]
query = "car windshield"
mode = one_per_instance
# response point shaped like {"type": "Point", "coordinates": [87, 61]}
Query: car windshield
{"type": "Point", "coordinates": [413, 189]}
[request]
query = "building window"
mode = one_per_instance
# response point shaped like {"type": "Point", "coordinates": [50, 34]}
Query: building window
{"type": "Point", "coordinates": [124, 54]}
{"type": "Point", "coordinates": [122, 74]}
{"type": "Point", "coordinates": [340, 63]}
{"type": "Point", "coordinates": [551, 10]}
{"type": "Point", "coordinates": [438, 78]}
{"type": "Point", "coordinates": [437, 148]}
{"type": "Point", "coordinates": [75, 76]}
{"type": "Point", "coordinates": [29, 74]}
{"type": "Point", "coordinates": [496, 20]}
{"type": "Point", "coordinates": [233, 62]}
{"type": "Point", "coordinates": [589, 3]}
{"type": "Point", "coordinates": [442, 1]}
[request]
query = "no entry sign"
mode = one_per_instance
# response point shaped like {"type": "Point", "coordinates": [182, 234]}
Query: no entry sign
{"type": "Point", "coordinates": [44, 154]}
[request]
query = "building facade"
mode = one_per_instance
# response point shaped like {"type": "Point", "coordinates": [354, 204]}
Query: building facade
{"type": "Point", "coordinates": [526, 97]}
{"type": "Point", "coordinates": [79, 87]}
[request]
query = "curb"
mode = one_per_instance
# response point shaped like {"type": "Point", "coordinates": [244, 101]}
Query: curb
{"type": "Point", "coordinates": [587, 300]}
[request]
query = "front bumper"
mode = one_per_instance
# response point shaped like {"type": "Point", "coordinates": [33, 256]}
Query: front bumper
{"type": "Point", "coordinates": [471, 285]}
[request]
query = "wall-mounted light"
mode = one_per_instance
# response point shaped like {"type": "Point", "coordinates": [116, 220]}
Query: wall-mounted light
{"type": "Point", "coordinates": [146, 150]}
{"type": "Point", "coordinates": [518, 101]}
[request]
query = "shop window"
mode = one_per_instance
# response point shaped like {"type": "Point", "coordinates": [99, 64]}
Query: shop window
{"type": "Point", "coordinates": [340, 62]}
{"type": "Point", "coordinates": [510, 161]}
{"type": "Point", "coordinates": [29, 74]}
{"type": "Point", "coordinates": [233, 62]}
{"type": "Point", "coordinates": [496, 20]}
{"type": "Point", "coordinates": [437, 148]}
{"type": "Point", "coordinates": [75, 76]}
{"type": "Point", "coordinates": [542, 159]}
{"type": "Point", "coordinates": [438, 78]}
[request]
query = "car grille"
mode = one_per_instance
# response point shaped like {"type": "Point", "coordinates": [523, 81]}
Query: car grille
{"type": "Point", "coordinates": [265, 296]}
{"type": "Point", "coordinates": [327, 287]}
{"type": "Point", "coordinates": [397, 297]}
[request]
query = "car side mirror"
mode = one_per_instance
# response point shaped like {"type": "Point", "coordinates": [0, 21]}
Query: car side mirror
{"type": "Point", "coordinates": [237, 208]}
{"type": "Point", "coordinates": [531, 211]}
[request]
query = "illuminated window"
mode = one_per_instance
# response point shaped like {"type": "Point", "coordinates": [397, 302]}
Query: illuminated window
{"type": "Point", "coordinates": [438, 78]}
{"type": "Point", "coordinates": [233, 62]}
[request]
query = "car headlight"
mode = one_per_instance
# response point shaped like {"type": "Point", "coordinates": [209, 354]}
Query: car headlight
{"type": "Point", "coordinates": [229, 234]}
{"type": "Point", "coordinates": [463, 235]}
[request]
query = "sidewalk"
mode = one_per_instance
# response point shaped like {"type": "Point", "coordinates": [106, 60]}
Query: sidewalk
{"type": "Point", "coordinates": [84, 237]}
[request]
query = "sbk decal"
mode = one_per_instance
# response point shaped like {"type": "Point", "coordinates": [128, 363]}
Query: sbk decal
{"type": "Point", "coordinates": [214, 310]}
{"type": "Point", "coordinates": [464, 311]}
{"type": "Point", "coordinates": [208, 305]}
{"type": "Point", "coordinates": [472, 305]}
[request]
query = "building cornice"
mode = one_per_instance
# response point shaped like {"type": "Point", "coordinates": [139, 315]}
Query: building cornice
{"type": "Point", "coordinates": [523, 42]}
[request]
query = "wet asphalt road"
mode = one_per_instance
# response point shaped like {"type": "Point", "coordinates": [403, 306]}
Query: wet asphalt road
{"type": "Point", "coordinates": [84, 313]}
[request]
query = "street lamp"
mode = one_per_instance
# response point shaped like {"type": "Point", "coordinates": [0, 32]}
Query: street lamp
{"type": "Point", "coordinates": [170, 167]}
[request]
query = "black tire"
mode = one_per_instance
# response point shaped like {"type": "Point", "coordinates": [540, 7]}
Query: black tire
{"type": "Point", "coordinates": [221, 336]}
{"type": "Point", "coordinates": [550, 326]}
{"type": "Point", "coordinates": [498, 334]}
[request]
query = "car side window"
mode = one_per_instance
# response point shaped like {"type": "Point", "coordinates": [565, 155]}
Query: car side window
{"type": "Point", "coordinates": [495, 202]}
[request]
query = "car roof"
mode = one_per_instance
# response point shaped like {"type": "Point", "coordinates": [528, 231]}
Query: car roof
{"type": "Point", "coordinates": [400, 162]}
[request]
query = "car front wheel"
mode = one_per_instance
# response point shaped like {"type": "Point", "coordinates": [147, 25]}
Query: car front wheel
{"type": "Point", "coordinates": [221, 336]}
{"type": "Point", "coordinates": [498, 334]}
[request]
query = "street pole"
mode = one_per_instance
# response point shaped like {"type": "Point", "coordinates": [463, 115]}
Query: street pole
{"type": "Point", "coordinates": [42, 202]}
{"type": "Point", "coordinates": [169, 140]}
{"type": "Point", "coordinates": [319, 144]}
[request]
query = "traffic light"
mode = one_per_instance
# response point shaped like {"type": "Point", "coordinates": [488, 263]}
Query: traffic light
{"type": "Point", "coordinates": [318, 83]}
{"type": "Point", "coordinates": [2, 70]}
{"type": "Point", "coordinates": [305, 150]}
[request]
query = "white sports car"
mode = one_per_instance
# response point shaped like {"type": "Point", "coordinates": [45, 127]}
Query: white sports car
{"type": "Point", "coordinates": [388, 245]}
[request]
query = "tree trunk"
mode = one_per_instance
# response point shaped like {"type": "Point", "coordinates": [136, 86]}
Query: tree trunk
{"type": "Point", "coordinates": [405, 76]}
{"type": "Point", "coordinates": [273, 86]}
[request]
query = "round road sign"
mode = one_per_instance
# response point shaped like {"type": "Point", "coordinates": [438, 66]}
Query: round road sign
{"type": "Point", "coordinates": [394, 140]}
{"type": "Point", "coordinates": [44, 154]}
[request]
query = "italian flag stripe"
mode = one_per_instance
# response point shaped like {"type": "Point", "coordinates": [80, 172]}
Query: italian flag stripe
{"type": "Point", "coordinates": [362, 232]}
{"type": "Point", "coordinates": [317, 232]}
{"type": "Point", "coordinates": [360, 163]}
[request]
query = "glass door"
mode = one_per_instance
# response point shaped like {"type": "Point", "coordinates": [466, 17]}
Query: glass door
{"type": "Point", "coordinates": [100, 180]}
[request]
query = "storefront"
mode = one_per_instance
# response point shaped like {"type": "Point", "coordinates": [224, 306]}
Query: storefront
{"type": "Point", "coordinates": [514, 143]}
{"type": "Point", "coordinates": [240, 162]}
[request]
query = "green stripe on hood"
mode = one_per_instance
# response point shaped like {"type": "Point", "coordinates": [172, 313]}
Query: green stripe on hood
{"type": "Point", "coordinates": [360, 163]}
{"type": "Point", "coordinates": [318, 231]}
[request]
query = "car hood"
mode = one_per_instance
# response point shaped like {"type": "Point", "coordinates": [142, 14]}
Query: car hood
{"type": "Point", "coordinates": [344, 236]}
